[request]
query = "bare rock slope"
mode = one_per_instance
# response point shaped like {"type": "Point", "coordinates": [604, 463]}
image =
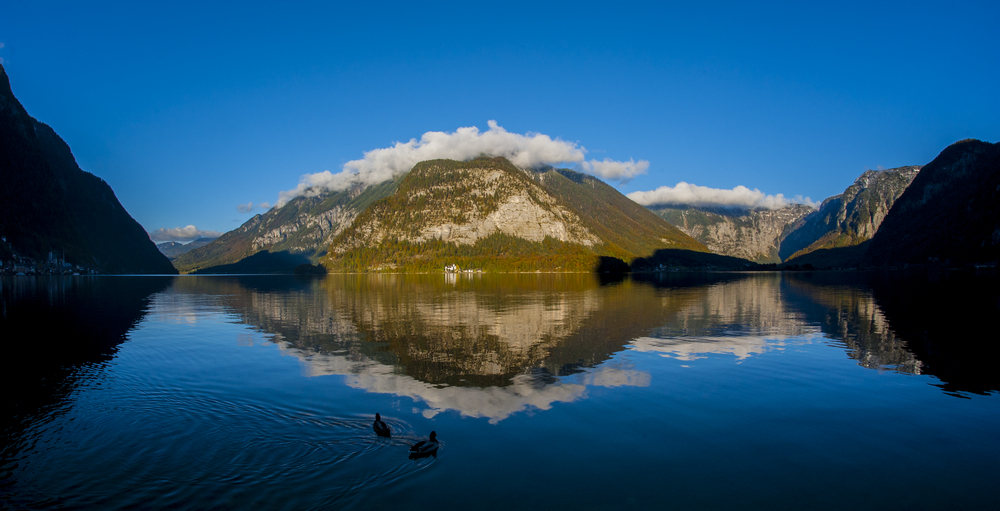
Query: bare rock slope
{"type": "Point", "coordinates": [752, 234]}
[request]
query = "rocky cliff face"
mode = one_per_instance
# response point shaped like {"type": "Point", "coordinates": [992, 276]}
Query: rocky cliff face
{"type": "Point", "coordinates": [755, 235]}
{"type": "Point", "coordinates": [774, 236]}
{"type": "Point", "coordinates": [852, 217]}
{"type": "Point", "coordinates": [305, 225]}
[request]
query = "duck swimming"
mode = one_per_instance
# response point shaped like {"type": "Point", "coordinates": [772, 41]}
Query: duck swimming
{"type": "Point", "coordinates": [425, 448]}
{"type": "Point", "coordinates": [381, 428]}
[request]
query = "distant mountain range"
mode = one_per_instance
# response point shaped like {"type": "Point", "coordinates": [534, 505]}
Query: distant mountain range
{"type": "Point", "coordinates": [485, 214]}
{"type": "Point", "coordinates": [774, 236]}
{"type": "Point", "coordinates": [49, 206]}
{"type": "Point", "coordinates": [488, 214]}
{"type": "Point", "coordinates": [948, 216]}
{"type": "Point", "coordinates": [172, 249]}
{"type": "Point", "coordinates": [304, 226]}
{"type": "Point", "coordinates": [752, 234]}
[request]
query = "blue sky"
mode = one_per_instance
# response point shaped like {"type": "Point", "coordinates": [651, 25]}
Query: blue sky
{"type": "Point", "coordinates": [188, 110]}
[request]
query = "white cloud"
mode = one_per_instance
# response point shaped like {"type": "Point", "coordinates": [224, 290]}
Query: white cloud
{"type": "Point", "coordinates": [530, 150]}
{"type": "Point", "coordinates": [182, 234]}
{"type": "Point", "coordinates": [693, 195]}
{"type": "Point", "coordinates": [620, 170]}
{"type": "Point", "coordinates": [250, 207]}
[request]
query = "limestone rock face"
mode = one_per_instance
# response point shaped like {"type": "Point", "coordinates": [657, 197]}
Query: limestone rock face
{"type": "Point", "coordinates": [314, 229]}
{"type": "Point", "coordinates": [774, 236]}
{"type": "Point", "coordinates": [304, 225]}
{"type": "Point", "coordinates": [517, 216]}
{"type": "Point", "coordinates": [949, 215]}
{"type": "Point", "coordinates": [852, 217]}
{"type": "Point", "coordinates": [755, 235]}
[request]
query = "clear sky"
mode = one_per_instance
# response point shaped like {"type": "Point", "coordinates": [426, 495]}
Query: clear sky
{"type": "Point", "coordinates": [190, 109]}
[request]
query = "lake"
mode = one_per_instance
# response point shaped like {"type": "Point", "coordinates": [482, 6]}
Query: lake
{"type": "Point", "coordinates": [666, 391]}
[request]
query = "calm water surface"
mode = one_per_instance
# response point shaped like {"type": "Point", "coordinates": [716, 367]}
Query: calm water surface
{"type": "Point", "coordinates": [698, 391]}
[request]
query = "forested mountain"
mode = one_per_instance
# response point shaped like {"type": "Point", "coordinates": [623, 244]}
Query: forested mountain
{"type": "Point", "coordinates": [488, 214]}
{"type": "Point", "coordinates": [49, 205]}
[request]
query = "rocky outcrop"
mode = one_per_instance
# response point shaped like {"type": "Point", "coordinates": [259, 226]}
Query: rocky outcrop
{"type": "Point", "coordinates": [852, 217]}
{"type": "Point", "coordinates": [307, 231]}
{"type": "Point", "coordinates": [518, 216]}
{"type": "Point", "coordinates": [774, 236]}
{"type": "Point", "coordinates": [755, 234]}
{"type": "Point", "coordinates": [304, 225]}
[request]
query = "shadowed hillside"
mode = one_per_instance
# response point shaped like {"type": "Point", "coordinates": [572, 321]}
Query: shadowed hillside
{"type": "Point", "coordinates": [47, 204]}
{"type": "Point", "coordinates": [949, 215]}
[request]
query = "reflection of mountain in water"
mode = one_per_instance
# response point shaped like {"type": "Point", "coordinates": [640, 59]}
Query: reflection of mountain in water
{"type": "Point", "coordinates": [490, 345]}
{"type": "Point", "coordinates": [935, 323]}
{"type": "Point", "coordinates": [738, 314]}
{"type": "Point", "coordinates": [843, 306]}
{"type": "Point", "coordinates": [948, 321]}
{"type": "Point", "coordinates": [530, 340]}
{"type": "Point", "coordinates": [53, 330]}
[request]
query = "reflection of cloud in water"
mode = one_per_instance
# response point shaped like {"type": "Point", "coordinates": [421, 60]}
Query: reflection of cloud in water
{"type": "Point", "coordinates": [693, 348]}
{"type": "Point", "coordinates": [495, 403]}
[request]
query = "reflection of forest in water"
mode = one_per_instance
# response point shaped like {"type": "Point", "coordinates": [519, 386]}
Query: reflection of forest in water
{"type": "Point", "coordinates": [535, 339]}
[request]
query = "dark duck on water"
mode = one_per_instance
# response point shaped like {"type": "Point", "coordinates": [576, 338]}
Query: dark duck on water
{"type": "Point", "coordinates": [424, 448]}
{"type": "Point", "coordinates": [381, 428]}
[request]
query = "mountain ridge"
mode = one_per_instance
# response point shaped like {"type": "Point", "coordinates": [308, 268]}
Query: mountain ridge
{"type": "Point", "coordinates": [48, 205]}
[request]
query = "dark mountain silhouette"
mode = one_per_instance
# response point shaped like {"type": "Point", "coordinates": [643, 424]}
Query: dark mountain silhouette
{"type": "Point", "coordinates": [47, 204]}
{"type": "Point", "coordinates": [949, 215]}
{"type": "Point", "coordinates": [261, 262]}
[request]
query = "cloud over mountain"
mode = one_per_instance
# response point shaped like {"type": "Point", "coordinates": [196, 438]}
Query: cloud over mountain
{"type": "Point", "coordinates": [693, 195]}
{"type": "Point", "coordinates": [181, 234]}
{"type": "Point", "coordinates": [530, 150]}
{"type": "Point", "coordinates": [250, 207]}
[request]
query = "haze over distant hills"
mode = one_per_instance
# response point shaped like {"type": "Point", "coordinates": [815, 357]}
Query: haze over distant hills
{"type": "Point", "coordinates": [47, 204]}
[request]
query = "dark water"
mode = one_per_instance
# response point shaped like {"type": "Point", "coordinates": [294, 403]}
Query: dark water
{"type": "Point", "coordinates": [677, 391]}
